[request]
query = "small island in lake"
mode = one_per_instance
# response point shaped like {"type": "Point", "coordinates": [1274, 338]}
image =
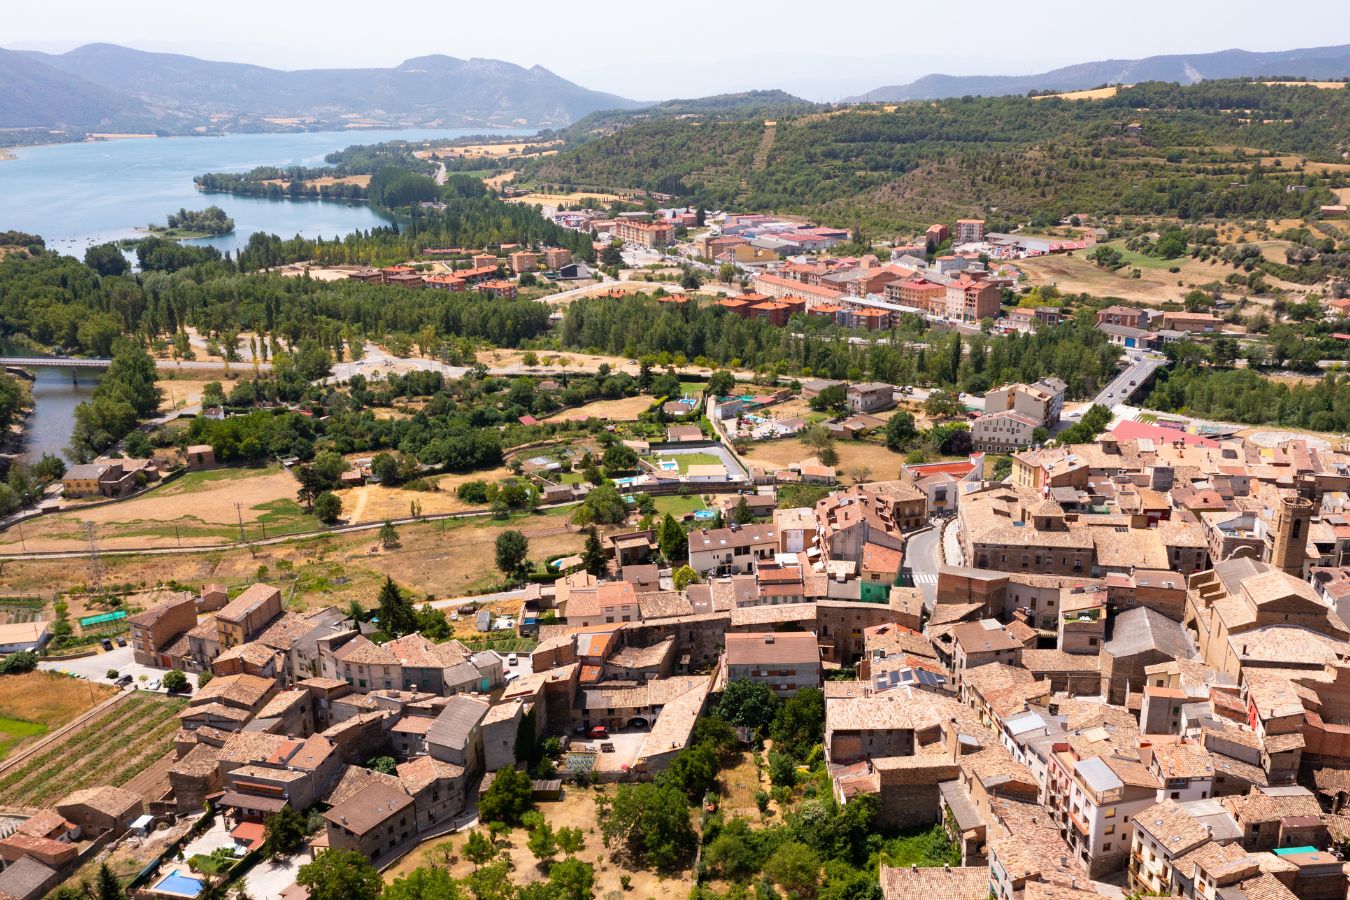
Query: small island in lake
{"type": "Point", "coordinates": [194, 223]}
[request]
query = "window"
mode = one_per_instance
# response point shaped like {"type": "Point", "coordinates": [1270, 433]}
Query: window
{"type": "Point", "coordinates": [1109, 812]}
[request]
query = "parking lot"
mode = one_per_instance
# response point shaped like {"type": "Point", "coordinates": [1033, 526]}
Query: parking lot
{"type": "Point", "coordinates": [95, 668]}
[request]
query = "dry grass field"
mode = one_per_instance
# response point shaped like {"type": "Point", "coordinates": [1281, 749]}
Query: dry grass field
{"type": "Point", "coordinates": [577, 810]}
{"type": "Point", "coordinates": [495, 150]}
{"type": "Point", "coordinates": [625, 409]}
{"type": "Point", "coordinates": [884, 464]}
{"type": "Point", "coordinates": [33, 703]}
{"type": "Point", "coordinates": [445, 558]}
{"type": "Point", "coordinates": [375, 503]}
{"type": "Point", "coordinates": [558, 199]}
{"type": "Point", "coordinates": [198, 508]}
{"type": "Point", "coordinates": [181, 392]}
{"type": "Point", "coordinates": [1324, 85]}
{"type": "Point", "coordinates": [1154, 286]}
{"type": "Point", "coordinates": [1094, 94]}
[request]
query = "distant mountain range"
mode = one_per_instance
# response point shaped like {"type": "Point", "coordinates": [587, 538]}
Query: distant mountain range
{"type": "Point", "coordinates": [104, 85]}
{"type": "Point", "coordinates": [1315, 63]}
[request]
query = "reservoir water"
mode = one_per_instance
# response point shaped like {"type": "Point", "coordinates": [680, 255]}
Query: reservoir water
{"type": "Point", "coordinates": [75, 195]}
{"type": "Point", "coordinates": [79, 194]}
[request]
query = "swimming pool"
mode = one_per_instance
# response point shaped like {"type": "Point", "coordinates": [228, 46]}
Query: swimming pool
{"type": "Point", "coordinates": [625, 482]}
{"type": "Point", "coordinates": [669, 465]}
{"type": "Point", "coordinates": [704, 514]}
{"type": "Point", "coordinates": [178, 883]}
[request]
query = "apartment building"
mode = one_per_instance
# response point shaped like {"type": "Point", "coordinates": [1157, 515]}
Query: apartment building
{"type": "Point", "coordinates": [968, 231]}
{"type": "Point", "coordinates": [1094, 800]}
{"type": "Point", "coordinates": [1003, 432]}
{"type": "Point", "coordinates": [786, 661]}
{"type": "Point", "coordinates": [918, 292]}
{"type": "Point", "coordinates": [645, 234]}
{"type": "Point", "coordinates": [968, 300]}
{"type": "Point", "coordinates": [733, 550]}
{"type": "Point", "coordinates": [160, 626]}
{"type": "Point", "coordinates": [1042, 402]}
{"type": "Point", "coordinates": [556, 257]}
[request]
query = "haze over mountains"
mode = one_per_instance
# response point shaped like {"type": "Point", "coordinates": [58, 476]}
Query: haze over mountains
{"type": "Point", "coordinates": [1314, 63]}
{"type": "Point", "coordinates": [105, 87]}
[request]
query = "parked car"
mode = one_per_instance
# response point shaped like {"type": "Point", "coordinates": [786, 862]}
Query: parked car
{"type": "Point", "coordinates": [121, 641]}
{"type": "Point", "coordinates": [106, 644]}
{"type": "Point", "coordinates": [124, 681]}
{"type": "Point", "coordinates": [599, 731]}
{"type": "Point", "coordinates": [513, 659]}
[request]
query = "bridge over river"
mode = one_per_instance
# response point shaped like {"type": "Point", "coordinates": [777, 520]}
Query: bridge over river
{"type": "Point", "coordinates": [89, 362]}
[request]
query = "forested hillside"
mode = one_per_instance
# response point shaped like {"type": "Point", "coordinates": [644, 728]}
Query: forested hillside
{"type": "Point", "coordinates": [1153, 149]}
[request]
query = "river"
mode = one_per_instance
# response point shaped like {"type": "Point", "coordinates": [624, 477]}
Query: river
{"type": "Point", "coordinates": [75, 195]}
{"type": "Point", "coordinates": [56, 393]}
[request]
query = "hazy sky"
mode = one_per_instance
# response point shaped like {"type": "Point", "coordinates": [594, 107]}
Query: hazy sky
{"type": "Point", "coordinates": [818, 50]}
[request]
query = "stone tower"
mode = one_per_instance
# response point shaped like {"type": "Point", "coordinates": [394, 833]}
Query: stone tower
{"type": "Point", "coordinates": [1290, 537]}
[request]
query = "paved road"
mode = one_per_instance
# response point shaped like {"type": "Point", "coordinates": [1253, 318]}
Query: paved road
{"type": "Point", "coordinates": [1140, 367]}
{"type": "Point", "coordinates": [453, 602]}
{"type": "Point", "coordinates": [95, 668]}
{"type": "Point", "coordinates": [921, 555]}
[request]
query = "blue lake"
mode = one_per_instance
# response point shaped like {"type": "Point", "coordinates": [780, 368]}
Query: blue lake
{"type": "Point", "coordinates": [75, 195]}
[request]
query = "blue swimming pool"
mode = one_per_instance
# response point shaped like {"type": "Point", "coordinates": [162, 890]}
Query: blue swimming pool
{"type": "Point", "coordinates": [178, 883]}
{"type": "Point", "coordinates": [702, 514]}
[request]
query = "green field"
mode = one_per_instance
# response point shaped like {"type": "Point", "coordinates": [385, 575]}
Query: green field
{"type": "Point", "coordinates": [678, 506]}
{"type": "Point", "coordinates": [1140, 261]}
{"type": "Point", "coordinates": [12, 731]}
{"type": "Point", "coordinates": [685, 460]}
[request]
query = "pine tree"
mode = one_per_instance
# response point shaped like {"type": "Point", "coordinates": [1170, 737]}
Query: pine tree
{"type": "Point", "coordinates": [396, 612]}
{"type": "Point", "coordinates": [673, 541]}
{"type": "Point", "coordinates": [593, 556]}
{"type": "Point", "coordinates": [109, 888]}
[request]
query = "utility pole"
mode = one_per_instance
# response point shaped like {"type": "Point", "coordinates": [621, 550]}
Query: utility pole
{"type": "Point", "coordinates": [22, 542]}
{"type": "Point", "coordinates": [239, 510]}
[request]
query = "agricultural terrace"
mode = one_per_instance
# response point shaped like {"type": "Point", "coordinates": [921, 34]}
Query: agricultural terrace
{"type": "Point", "coordinates": [111, 748]}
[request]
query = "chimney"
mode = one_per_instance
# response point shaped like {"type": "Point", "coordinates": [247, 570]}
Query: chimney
{"type": "Point", "coordinates": [954, 736]}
